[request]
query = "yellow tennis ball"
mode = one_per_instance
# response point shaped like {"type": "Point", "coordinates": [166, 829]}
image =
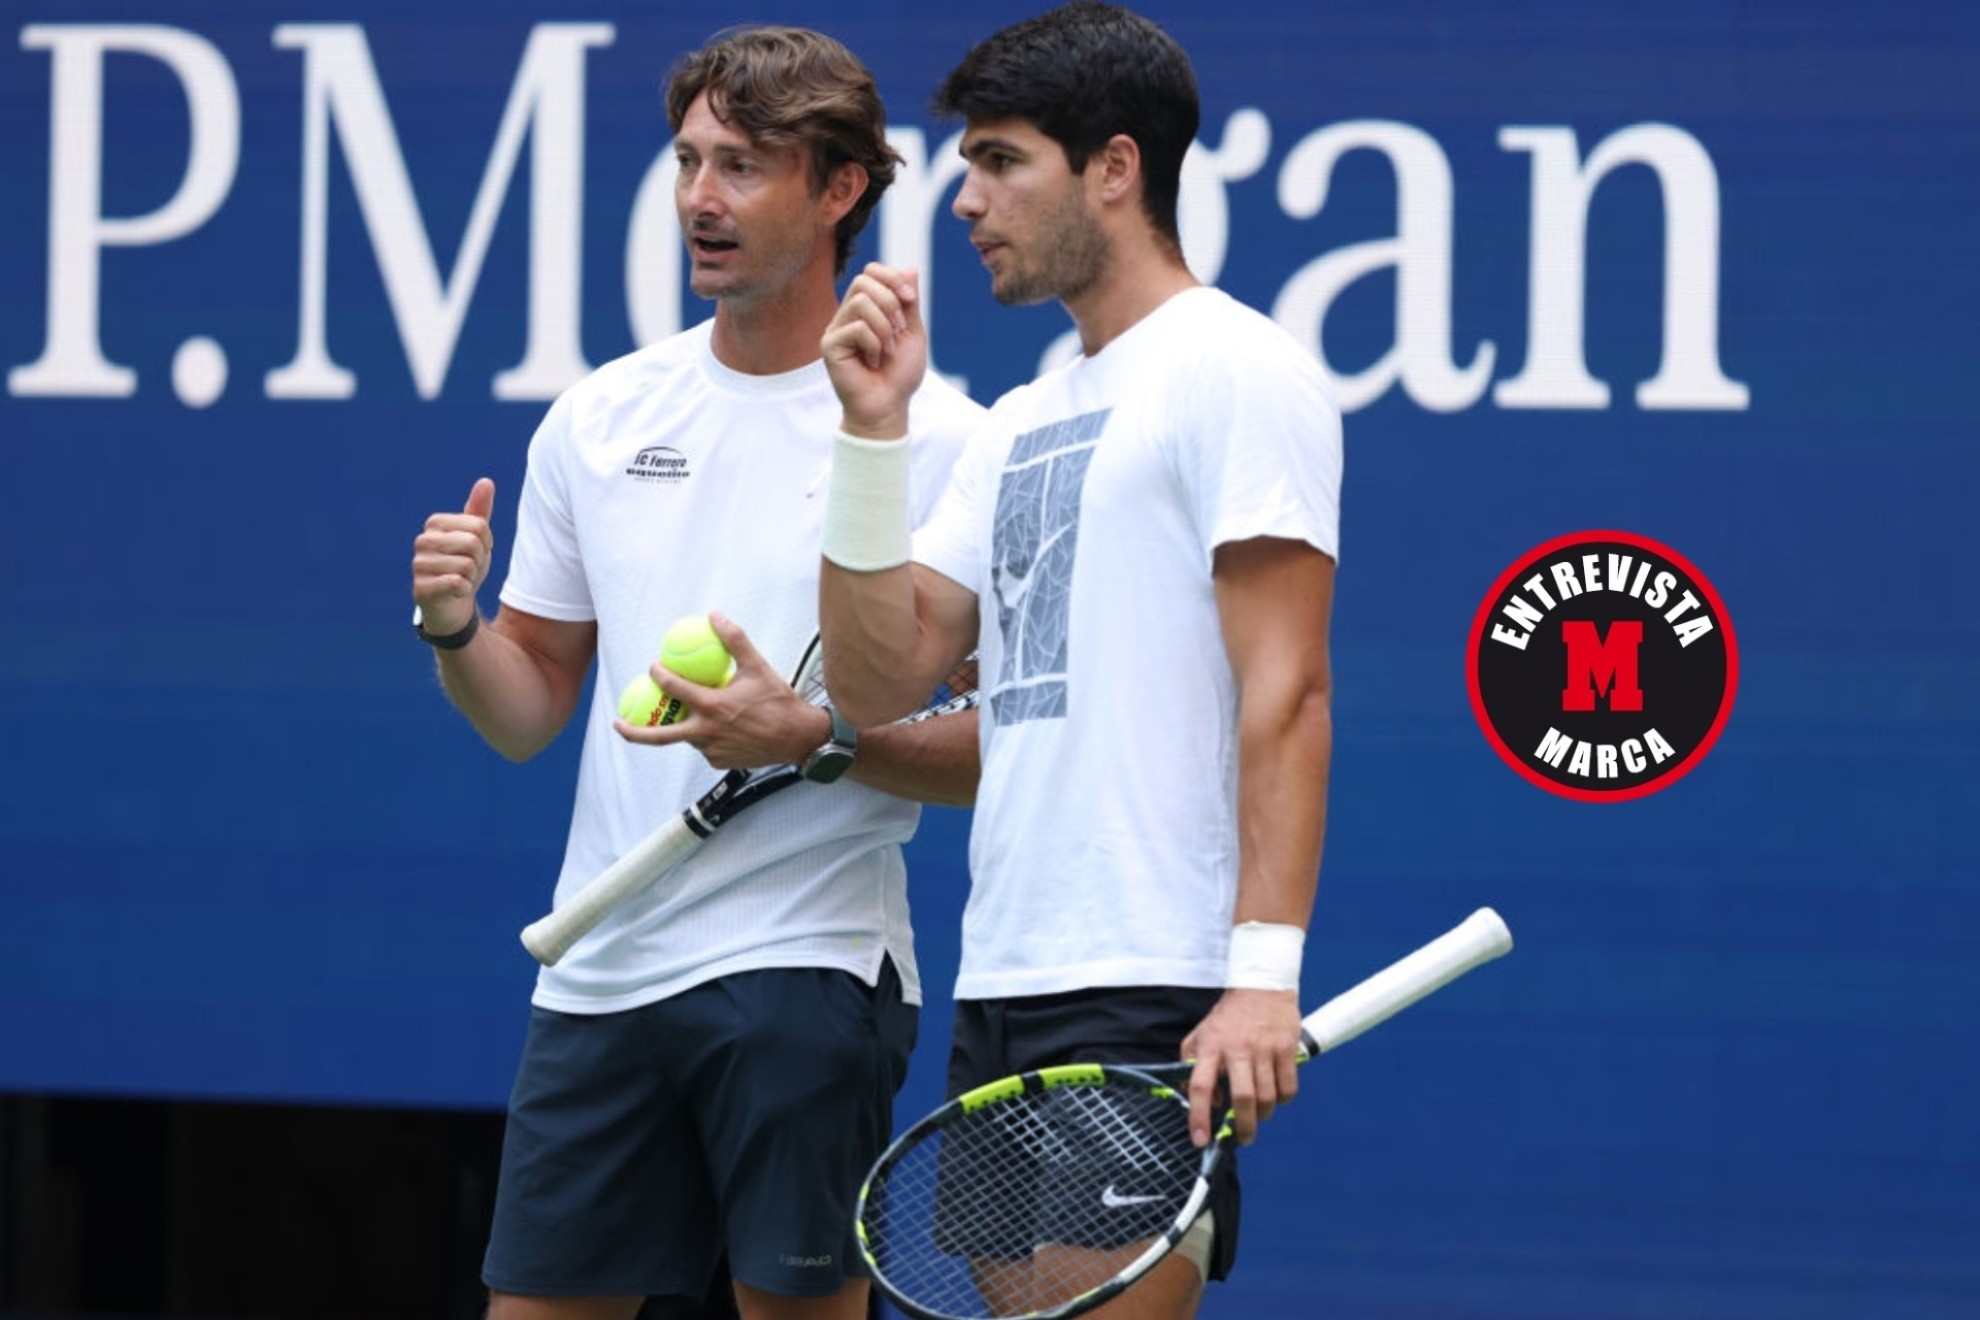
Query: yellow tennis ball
{"type": "Point", "coordinates": [644, 705]}
{"type": "Point", "coordinates": [692, 650]}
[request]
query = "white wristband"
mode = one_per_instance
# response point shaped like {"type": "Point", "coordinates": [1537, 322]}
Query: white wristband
{"type": "Point", "coordinates": [1265, 956]}
{"type": "Point", "coordinates": [866, 509]}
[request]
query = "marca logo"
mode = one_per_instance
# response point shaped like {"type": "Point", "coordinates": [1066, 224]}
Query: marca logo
{"type": "Point", "coordinates": [660, 463]}
{"type": "Point", "coordinates": [346, 114]}
{"type": "Point", "coordinates": [1602, 666]}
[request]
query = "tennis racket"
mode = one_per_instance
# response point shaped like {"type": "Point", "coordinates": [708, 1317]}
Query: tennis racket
{"type": "Point", "coordinates": [1045, 1194]}
{"type": "Point", "coordinates": [550, 938]}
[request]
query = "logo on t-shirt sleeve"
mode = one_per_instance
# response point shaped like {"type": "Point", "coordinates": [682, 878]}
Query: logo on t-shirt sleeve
{"type": "Point", "coordinates": [1033, 542]}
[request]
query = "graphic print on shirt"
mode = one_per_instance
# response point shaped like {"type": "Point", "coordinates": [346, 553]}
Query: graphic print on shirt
{"type": "Point", "coordinates": [1032, 544]}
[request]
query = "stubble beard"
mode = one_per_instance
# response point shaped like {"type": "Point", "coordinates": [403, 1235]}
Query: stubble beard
{"type": "Point", "coordinates": [1072, 263]}
{"type": "Point", "coordinates": [771, 264]}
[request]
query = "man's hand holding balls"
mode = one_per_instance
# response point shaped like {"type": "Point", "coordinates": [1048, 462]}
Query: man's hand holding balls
{"type": "Point", "coordinates": [690, 650]}
{"type": "Point", "coordinates": [712, 690]}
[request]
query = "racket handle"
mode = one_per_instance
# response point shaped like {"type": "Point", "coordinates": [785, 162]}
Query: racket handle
{"type": "Point", "coordinates": [550, 938]}
{"type": "Point", "coordinates": [1479, 938]}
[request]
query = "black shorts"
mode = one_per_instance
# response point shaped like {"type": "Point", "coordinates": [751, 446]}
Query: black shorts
{"type": "Point", "coordinates": [741, 1114]}
{"type": "Point", "coordinates": [995, 1038]}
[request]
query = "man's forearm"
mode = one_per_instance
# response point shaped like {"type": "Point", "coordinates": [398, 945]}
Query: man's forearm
{"type": "Point", "coordinates": [1284, 752]}
{"type": "Point", "coordinates": [517, 699]}
{"type": "Point", "coordinates": [936, 761]}
{"type": "Point", "coordinates": [871, 636]}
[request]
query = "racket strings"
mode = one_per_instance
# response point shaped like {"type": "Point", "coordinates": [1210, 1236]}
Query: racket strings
{"type": "Point", "coordinates": [959, 684]}
{"type": "Point", "coordinates": [1023, 1205]}
{"type": "Point", "coordinates": [957, 691]}
{"type": "Point", "coordinates": [809, 680]}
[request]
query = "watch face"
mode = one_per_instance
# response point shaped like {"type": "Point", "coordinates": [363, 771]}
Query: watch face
{"type": "Point", "coordinates": [836, 756]}
{"type": "Point", "coordinates": [827, 763]}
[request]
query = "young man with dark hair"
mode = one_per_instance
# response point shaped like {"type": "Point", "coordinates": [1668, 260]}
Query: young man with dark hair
{"type": "Point", "coordinates": [1140, 545]}
{"type": "Point", "coordinates": [712, 1069]}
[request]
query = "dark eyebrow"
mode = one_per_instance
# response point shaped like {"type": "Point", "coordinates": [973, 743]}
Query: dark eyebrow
{"type": "Point", "coordinates": [971, 150]}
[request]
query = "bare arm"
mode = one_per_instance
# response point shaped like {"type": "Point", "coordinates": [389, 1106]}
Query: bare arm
{"type": "Point", "coordinates": [519, 678]}
{"type": "Point", "coordinates": [891, 636]}
{"type": "Point", "coordinates": [758, 720]}
{"type": "Point", "coordinates": [936, 761]}
{"type": "Point", "coordinates": [1274, 599]}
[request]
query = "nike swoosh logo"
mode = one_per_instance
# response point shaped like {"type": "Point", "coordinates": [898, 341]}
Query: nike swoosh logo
{"type": "Point", "coordinates": [1113, 1200]}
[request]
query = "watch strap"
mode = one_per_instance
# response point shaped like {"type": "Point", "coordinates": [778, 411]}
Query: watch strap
{"type": "Point", "coordinates": [452, 641]}
{"type": "Point", "coordinates": [844, 732]}
{"type": "Point", "coordinates": [832, 758]}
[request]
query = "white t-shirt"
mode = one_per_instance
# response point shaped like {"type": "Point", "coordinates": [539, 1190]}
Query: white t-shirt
{"type": "Point", "coordinates": [665, 484]}
{"type": "Point", "coordinates": [1104, 849]}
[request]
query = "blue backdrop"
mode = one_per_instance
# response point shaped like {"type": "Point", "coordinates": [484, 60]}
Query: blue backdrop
{"type": "Point", "coordinates": [278, 286]}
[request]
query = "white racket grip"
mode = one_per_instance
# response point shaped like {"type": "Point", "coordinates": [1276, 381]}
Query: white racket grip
{"type": "Point", "coordinates": [1479, 938]}
{"type": "Point", "coordinates": [550, 938]}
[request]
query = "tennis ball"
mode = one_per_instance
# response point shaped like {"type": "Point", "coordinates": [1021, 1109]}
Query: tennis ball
{"type": "Point", "coordinates": [692, 650]}
{"type": "Point", "coordinates": [644, 705]}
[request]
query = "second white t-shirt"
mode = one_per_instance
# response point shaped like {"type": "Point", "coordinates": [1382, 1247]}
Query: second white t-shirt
{"type": "Point", "coordinates": [1104, 849]}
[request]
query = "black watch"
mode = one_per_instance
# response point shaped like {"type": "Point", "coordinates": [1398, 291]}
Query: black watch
{"type": "Point", "coordinates": [452, 641]}
{"type": "Point", "coordinates": [836, 755]}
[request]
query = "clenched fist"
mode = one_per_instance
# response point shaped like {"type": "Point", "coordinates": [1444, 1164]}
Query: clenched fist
{"type": "Point", "coordinates": [876, 351]}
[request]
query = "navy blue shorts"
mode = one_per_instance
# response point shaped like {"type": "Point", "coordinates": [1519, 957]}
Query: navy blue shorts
{"type": "Point", "coordinates": [739, 1115]}
{"type": "Point", "coordinates": [995, 1038]}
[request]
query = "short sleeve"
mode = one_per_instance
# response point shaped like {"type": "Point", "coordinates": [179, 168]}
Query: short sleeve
{"type": "Point", "coordinates": [1260, 448]}
{"type": "Point", "coordinates": [546, 568]}
{"type": "Point", "coordinates": [951, 541]}
{"type": "Point", "coordinates": [942, 420]}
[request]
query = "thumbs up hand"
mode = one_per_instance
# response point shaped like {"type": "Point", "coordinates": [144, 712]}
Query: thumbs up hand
{"type": "Point", "coordinates": [450, 560]}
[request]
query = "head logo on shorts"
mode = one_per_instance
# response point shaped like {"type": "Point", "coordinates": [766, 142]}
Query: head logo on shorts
{"type": "Point", "coordinates": [1602, 666]}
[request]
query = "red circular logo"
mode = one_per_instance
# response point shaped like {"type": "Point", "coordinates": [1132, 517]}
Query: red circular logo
{"type": "Point", "coordinates": [1602, 666]}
